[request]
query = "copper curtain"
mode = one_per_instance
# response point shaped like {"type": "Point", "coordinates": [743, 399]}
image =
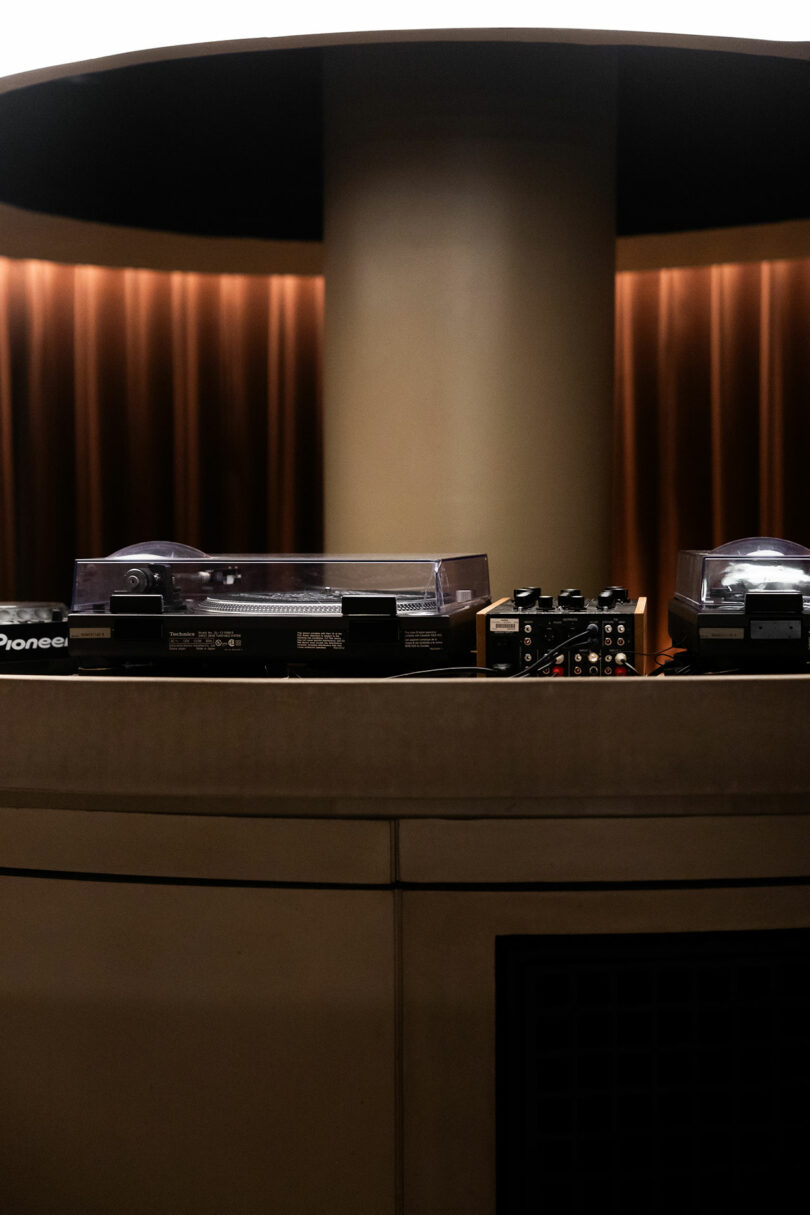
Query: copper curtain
{"type": "Point", "coordinates": [142, 405]}
{"type": "Point", "coordinates": [139, 405]}
{"type": "Point", "coordinates": [712, 415]}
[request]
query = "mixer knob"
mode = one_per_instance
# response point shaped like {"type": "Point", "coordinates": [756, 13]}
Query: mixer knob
{"type": "Point", "coordinates": [526, 596]}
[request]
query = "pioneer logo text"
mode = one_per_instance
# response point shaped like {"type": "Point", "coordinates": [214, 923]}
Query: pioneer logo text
{"type": "Point", "coordinates": [31, 643]}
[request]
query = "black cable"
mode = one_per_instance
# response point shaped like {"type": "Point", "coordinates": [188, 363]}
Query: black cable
{"type": "Point", "coordinates": [672, 667]}
{"type": "Point", "coordinates": [589, 634]}
{"type": "Point", "coordinates": [444, 671]}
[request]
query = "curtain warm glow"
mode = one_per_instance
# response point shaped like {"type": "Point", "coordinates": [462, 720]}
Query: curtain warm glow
{"type": "Point", "coordinates": [140, 405]}
{"type": "Point", "coordinates": [712, 417]}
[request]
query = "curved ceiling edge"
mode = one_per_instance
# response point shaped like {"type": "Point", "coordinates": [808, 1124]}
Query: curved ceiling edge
{"type": "Point", "coordinates": [749, 46]}
{"type": "Point", "coordinates": [35, 236]}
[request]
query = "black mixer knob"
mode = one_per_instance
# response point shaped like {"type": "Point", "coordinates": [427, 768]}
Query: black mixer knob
{"type": "Point", "coordinates": [621, 592]}
{"type": "Point", "coordinates": [576, 601]}
{"type": "Point", "coordinates": [605, 599]}
{"type": "Point", "coordinates": [526, 596]}
{"type": "Point", "coordinates": [545, 603]}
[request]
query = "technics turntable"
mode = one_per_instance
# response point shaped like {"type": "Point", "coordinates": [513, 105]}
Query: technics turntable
{"type": "Point", "coordinates": [176, 608]}
{"type": "Point", "coordinates": [743, 606]}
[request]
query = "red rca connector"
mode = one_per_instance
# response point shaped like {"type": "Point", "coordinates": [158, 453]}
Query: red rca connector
{"type": "Point", "coordinates": [558, 671]}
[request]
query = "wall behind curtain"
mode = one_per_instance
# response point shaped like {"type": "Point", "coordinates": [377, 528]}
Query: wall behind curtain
{"type": "Point", "coordinates": [140, 405]}
{"type": "Point", "coordinates": [712, 431]}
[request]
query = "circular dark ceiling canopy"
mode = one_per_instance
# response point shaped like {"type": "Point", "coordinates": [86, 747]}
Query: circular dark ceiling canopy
{"type": "Point", "coordinates": [231, 144]}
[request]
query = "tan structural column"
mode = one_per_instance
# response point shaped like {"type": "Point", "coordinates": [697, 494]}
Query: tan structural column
{"type": "Point", "coordinates": [469, 284]}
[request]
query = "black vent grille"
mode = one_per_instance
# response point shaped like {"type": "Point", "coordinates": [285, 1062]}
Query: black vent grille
{"type": "Point", "coordinates": [653, 1073]}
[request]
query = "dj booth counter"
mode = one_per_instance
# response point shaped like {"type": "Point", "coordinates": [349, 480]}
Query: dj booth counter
{"type": "Point", "coordinates": [249, 926]}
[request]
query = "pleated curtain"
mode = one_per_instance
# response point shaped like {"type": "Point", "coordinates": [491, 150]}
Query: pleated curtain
{"type": "Point", "coordinates": [712, 419]}
{"type": "Point", "coordinates": [144, 405]}
{"type": "Point", "coordinates": [139, 405]}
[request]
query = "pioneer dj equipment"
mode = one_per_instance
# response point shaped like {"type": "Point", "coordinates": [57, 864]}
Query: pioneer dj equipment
{"type": "Point", "coordinates": [174, 608]}
{"type": "Point", "coordinates": [33, 638]}
{"type": "Point", "coordinates": [534, 634]}
{"type": "Point", "coordinates": [742, 606]}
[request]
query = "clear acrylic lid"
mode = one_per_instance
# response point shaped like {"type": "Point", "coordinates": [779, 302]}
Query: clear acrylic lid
{"type": "Point", "coordinates": [280, 584]}
{"type": "Point", "coordinates": [721, 577]}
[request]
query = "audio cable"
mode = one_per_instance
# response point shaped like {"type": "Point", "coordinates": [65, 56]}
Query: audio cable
{"type": "Point", "coordinates": [589, 634]}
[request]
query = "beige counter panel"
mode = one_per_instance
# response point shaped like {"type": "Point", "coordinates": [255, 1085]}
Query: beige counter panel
{"type": "Point", "coordinates": [195, 1051]}
{"type": "Point", "coordinates": [206, 1048]}
{"type": "Point", "coordinates": [354, 748]}
{"type": "Point", "coordinates": [305, 851]}
{"type": "Point", "coordinates": [603, 849]}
